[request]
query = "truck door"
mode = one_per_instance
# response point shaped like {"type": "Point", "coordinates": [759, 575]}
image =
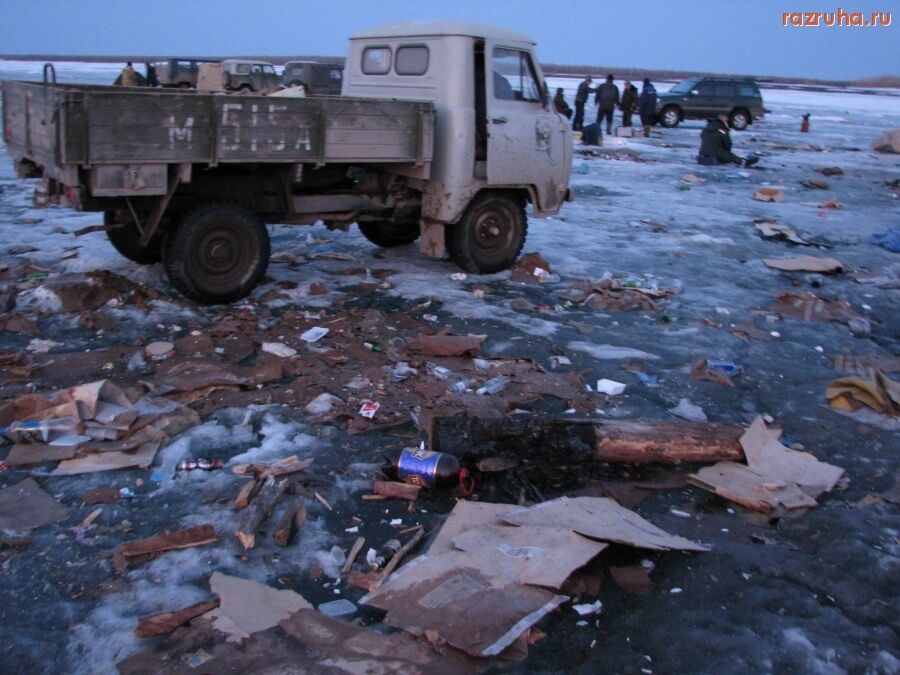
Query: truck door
{"type": "Point", "coordinates": [256, 77]}
{"type": "Point", "coordinates": [526, 140]}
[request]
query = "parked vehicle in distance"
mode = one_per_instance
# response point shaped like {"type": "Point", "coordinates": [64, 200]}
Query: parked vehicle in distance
{"type": "Point", "coordinates": [241, 75]}
{"type": "Point", "coordinates": [179, 72]}
{"type": "Point", "coordinates": [320, 79]}
{"type": "Point", "coordinates": [704, 97]}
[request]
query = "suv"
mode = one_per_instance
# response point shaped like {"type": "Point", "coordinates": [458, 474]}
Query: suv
{"type": "Point", "coordinates": [318, 78]}
{"type": "Point", "coordinates": [705, 97]}
{"type": "Point", "coordinates": [179, 72]}
{"type": "Point", "coordinates": [241, 75]}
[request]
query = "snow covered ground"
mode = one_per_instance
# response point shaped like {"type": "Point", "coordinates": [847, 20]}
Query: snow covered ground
{"type": "Point", "coordinates": [821, 598]}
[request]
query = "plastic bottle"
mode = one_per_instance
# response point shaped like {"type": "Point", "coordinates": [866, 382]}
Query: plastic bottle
{"type": "Point", "coordinates": [493, 385]}
{"type": "Point", "coordinates": [423, 467]}
{"type": "Point", "coordinates": [460, 386]}
{"type": "Point", "coordinates": [438, 371]}
{"type": "Point", "coordinates": [41, 431]}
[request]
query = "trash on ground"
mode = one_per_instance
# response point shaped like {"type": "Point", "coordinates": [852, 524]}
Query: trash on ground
{"type": "Point", "coordinates": [774, 478]}
{"type": "Point", "coordinates": [813, 184]}
{"type": "Point", "coordinates": [889, 239]}
{"type": "Point", "coordinates": [887, 142]}
{"type": "Point", "coordinates": [878, 392]}
{"type": "Point", "coordinates": [689, 411]}
{"type": "Point", "coordinates": [166, 622]}
{"type": "Point", "coordinates": [314, 334]}
{"type": "Point", "coordinates": [831, 203]}
{"type": "Point", "coordinates": [769, 194]}
{"type": "Point", "coordinates": [805, 263]}
{"type": "Point", "coordinates": [830, 170]}
{"type": "Point", "coordinates": [531, 268]}
{"type": "Point", "coordinates": [610, 387]}
{"type": "Point", "coordinates": [771, 229]}
{"type": "Point", "coordinates": [168, 541]}
{"type": "Point", "coordinates": [810, 307]}
{"type": "Point", "coordinates": [278, 349]}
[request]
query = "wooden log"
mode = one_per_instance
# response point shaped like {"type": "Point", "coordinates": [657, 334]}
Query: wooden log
{"type": "Point", "coordinates": [165, 622]}
{"type": "Point", "coordinates": [560, 441]}
{"type": "Point", "coordinates": [396, 490]}
{"type": "Point", "coordinates": [291, 522]}
{"type": "Point", "coordinates": [351, 557]}
{"type": "Point", "coordinates": [399, 555]}
{"type": "Point", "coordinates": [260, 509]}
{"type": "Point", "coordinates": [248, 491]}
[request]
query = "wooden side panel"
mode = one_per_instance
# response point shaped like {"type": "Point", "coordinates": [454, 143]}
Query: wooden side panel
{"type": "Point", "coordinates": [371, 130]}
{"type": "Point", "coordinates": [147, 127]}
{"type": "Point", "coordinates": [259, 128]}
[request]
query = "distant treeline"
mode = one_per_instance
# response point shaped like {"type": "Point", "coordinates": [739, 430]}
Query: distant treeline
{"type": "Point", "coordinates": [550, 69]}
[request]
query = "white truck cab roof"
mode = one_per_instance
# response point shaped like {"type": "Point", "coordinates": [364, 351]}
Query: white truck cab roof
{"type": "Point", "coordinates": [441, 28]}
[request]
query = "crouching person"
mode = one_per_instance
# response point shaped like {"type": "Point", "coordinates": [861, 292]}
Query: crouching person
{"type": "Point", "coordinates": [715, 145]}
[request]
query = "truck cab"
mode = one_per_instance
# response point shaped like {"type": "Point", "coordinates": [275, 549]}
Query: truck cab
{"type": "Point", "coordinates": [495, 129]}
{"type": "Point", "coordinates": [243, 75]}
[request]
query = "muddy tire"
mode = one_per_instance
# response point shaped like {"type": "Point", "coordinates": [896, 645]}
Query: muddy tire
{"type": "Point", "coordinates": [387, 234]}
{"type": "Point", "coordinates": [126, 240]}
{"type": "Point", "coordinates": [490, 235]}
{"type": "Point", "coordinates": [217, 254]}
{"type": "Point", "coordinates": [670, 116]}
{"type": "Point", "coordinates": [739, 119]}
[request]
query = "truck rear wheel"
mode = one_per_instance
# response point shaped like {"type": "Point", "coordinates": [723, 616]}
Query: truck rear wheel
{"type": "Point", "coordinates": [490, 235]}
{"type": "Point", "coordinates": [126, 240]}
{"type": "Point", "coordinates": [388, 234]}
{"type": "Point", "coordinates": [217, 254]}
{"type": "Point", "coordinates": [670, 116]}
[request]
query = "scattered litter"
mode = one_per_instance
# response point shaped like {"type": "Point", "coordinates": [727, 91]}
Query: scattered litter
{"type": "Point", "coordinates": [878, 392]}
{"type": "Point", "coordinates": [588, 608]}
{"type": "Point", "coordinates": [532, 269]}
{"type": "Point", "coordinates": [314, 334]}
{"type": "Point", "coordinates": [830, 170]}
{"type": "Point", "coordinates": [159, 351]}
{"type": "Point", "coordinates": [338, 609]}
{"type": "Point", "coordinates": [889, 239]}
{"type": "Point", "coordinates": [809, 307]}
{"type": "Point", "coordinates": [775, 478]}
{"type": "Point", "coordinates": [769, 194]}
{"type": "Point", "coordinates": [322, 404]}
{"type": "Point", "coordinates": [40, 346]}
{"type": "Point", "coordinates": [459, 276]}
{"type": "Point", "coordinates": [770, 229]}
{"type": "Point", "coordinates": [610, 387]}
{"type": "Point", "coordinates": [369, 409]}
{"type": "Point", "coordinates": [25, 506]}
{"type": "Point", "coordinates": [813, 184]}
{"type": "Point", "coordinates": [693, 179]}
{"type": "Point", "coordinates": [278, 349]}
{"type": "Point", "coordinates": [689, 411]}
{"type": "Point", "coordinates": [832, 203]}
{"type": "Point", "coordinates": [805, 263]}
{"type": "Point", "coordinates": [887, 142]}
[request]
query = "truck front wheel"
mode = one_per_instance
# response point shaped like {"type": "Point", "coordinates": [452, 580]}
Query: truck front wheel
{"type": "Point", "coordinates": [388, 234]}
{"type": "Point", "coordinates": [217, 254]}
{"type": "Point", "coordinates": [490, 235]}
{"type": "Point", "coordinates": [126, 240]}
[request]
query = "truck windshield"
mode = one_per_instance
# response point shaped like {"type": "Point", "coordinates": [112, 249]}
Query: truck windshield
{"type": "Point", "coordinates": [514, 77]}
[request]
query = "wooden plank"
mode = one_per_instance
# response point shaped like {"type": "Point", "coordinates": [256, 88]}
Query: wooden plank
{"type": "Point", "coordinates": [166, 622]}
{"type": "Point", "coordinates": [168, 541]}
{"type": "Point", "coordinates": [254, 515]}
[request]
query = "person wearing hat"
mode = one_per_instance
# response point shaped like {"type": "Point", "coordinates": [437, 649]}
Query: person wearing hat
{"type": "Point", "coordinates": [128, 78]}
{"type": "Point", "coordinates": [715, 145]}
{"type": "Point", "coordinates": [647, 106]}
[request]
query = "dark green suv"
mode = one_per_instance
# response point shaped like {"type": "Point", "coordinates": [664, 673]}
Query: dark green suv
{"type": "Point", "coordinates": [705, 97]}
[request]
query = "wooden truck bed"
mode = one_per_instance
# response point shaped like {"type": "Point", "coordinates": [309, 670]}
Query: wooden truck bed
{"type": "Point", "coordinates": [64, 127]}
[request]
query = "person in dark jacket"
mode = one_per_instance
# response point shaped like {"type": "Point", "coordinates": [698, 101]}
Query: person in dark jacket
{"type": "Point", "coordinates": [715, 145]}
{"type": "Point", "coordinates": [152, 79]}
{"type": "Point", "coordinates": [581, 97]}
{"type": "Point", "coordinates": [629, 103]}
{"type": "Point", "coordinates": [606, 99]}
{"type": "Point", "coordinates": [647, 106]}
{"type": "Point", "coordinates": [560, 105]}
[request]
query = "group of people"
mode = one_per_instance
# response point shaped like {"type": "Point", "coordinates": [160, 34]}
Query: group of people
{"type": "Point", "coordinates": [715, 146]}
{"type": "Point", "coordinates": [606, 99]}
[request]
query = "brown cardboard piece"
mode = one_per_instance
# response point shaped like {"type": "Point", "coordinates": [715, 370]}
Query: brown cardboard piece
{"type": "Point", "coordinates": [465, 516]}
{"type": "Point", "coordinates": [108, 461]}
{"type": "Point", "coordinates": [247, 607]}
{"type": "Point", "coordinates": [603, 519]}
{"type": "Point", "coordinates": [805, 263]}
{"type": "Point", "coordinates": [25, 506]}
{"type": "Point", "coordinates": [769, 194]}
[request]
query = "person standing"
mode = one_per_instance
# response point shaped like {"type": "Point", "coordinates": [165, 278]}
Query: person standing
{"type": "Point", "coordinates": [606, 99]}
{"type": "Point", "coordinates": [128, 78]}
{"type": "Point", "coordinates": [629, 103]}
{"type": "Point", "coordinates": [647, 106]}
{"type": "Point", "coordinates": [581, 97]}
{"type": "Point", "coordinates": [152, 79]}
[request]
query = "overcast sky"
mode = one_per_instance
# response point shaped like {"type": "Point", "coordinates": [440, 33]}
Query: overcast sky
{"type": "Point", "coordinates": [735, 36]}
